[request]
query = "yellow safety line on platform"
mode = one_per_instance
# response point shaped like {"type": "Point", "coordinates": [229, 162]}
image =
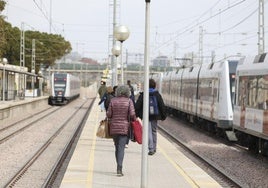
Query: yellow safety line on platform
{"type": "Point", "coordinates": [92, 154]}
{"type": "Point", "coordinates": [178, 168]}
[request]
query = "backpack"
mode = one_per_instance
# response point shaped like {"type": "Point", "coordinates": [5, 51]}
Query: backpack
{"type": "Point", "coordinates": [153, 105]}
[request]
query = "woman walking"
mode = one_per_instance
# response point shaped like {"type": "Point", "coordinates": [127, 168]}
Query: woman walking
{"type": "Point", "coordinates": [120, 111]}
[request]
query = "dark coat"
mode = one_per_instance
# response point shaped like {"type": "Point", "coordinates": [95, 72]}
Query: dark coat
{"type": "Point", "coordinates": [161, 106]}
{"type": "Point", "coordinates": [120, 111]}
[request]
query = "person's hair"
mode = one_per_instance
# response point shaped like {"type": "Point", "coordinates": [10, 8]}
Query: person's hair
{"type": "Point", "coordinates": [122, 91]}
{"type": "Point", "coordinates": [128, 82]}
{"type": "Point", "coordinates": [114, 88]}
{"type": "Point", "coordinates": [110, 89]}
{"type": "Point", "coordinates": [152, 83]}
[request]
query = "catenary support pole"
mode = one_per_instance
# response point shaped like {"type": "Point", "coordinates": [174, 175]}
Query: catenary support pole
{"type": "Point", "coordinates": [144, 160]}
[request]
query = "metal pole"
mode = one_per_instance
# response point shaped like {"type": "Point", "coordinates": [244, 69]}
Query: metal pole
{"type": "Point", "coordinates": [22, 59]}
{"type": "Point", "coordinates": [4, 87]}
{"type": "Point", "coordinates": [144, 161]}
{"type": "Point", "coordinates": [115, 70]}
{"type": "Point", "coordinates": [40, 83]}
{"type": "Point", "coordinates": [114, 62]}
{"type": "Point", "coordinates": [261, 43]}
{"type": "Point", "coordinates": [33, 63]}
{"type": "Point", "coordinates": [50, 16]}
{"type": "Point", "coordinates": [201, 45]}
{"type": "Point", "coordinates": [122, 67]}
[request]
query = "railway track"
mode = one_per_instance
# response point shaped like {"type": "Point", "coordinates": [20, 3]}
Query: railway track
{"type": "Point", "coordinates": [18, 127]}
{"type": "Point", "coordinates": [60, 140]}
{"type": "Point", "coordinates": [228, 163]}
{"type": "Point", "coordinates": [225, 179]}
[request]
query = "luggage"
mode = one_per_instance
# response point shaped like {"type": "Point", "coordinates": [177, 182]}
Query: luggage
{"type": "Point", "coordinates": [137, 129]}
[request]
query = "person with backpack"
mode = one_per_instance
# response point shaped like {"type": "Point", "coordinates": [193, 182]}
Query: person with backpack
{"type": "Point", "coordinates": [157, 111]}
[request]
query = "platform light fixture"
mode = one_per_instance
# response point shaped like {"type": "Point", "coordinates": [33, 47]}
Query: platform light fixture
{"type": "Point", "coordinates": [116, 51]}
{"type": "Point", "coordinates": [121, 33]}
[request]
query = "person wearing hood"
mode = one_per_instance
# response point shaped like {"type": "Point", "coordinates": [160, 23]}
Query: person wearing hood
{"type": "Point", "coordinates": [156, 112]}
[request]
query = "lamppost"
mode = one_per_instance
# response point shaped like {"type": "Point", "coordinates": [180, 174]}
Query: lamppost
{"type": "Point", "coordinates": [121, 33]}
{"type": "Point", "coordinates": [33, 72]}
{"type": "Point", "coordinates": [4, 61]}
{"type": "Point", "coordinates": [40, 82]}
{"type": "Point", "coordinates": [116, 50]}
{"type": "Point", "coordinates": [145, 128]}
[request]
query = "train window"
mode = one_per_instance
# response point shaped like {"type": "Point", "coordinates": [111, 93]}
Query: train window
{"type": "Point", "coordinates": [242, 91]}
{"type": "Point", "coordinates": [253, 92]}
{"type": "Point", "coordinates": [262, 57]}
{"type": "Point", "coordinates": [208, 89]}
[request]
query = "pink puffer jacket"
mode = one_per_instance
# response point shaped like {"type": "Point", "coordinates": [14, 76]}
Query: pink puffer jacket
{"type": "Point", "coordinates": [118, 112]}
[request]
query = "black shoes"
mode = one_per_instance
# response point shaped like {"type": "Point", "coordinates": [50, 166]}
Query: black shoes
{"type": "Point", "coordinates": [119, 171]}
{"type": "Point", "coordinates": [151, 152]}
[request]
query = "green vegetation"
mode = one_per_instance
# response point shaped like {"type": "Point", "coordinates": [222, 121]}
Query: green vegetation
{"type": "Point", "coordinates": [49, 47]}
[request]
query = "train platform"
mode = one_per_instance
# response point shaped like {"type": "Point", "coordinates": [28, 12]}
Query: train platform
{"type": "Point", "coordinates": [13, 110]}
{"type": "Point", "coordinates": [93, 163]}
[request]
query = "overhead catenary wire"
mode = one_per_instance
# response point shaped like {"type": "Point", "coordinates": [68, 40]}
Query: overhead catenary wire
{"type": "Point", "coordinates": [197, 23]}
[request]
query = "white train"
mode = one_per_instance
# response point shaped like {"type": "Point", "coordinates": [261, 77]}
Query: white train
{"type": "Point", "coordinates": [64, 88]}
{"type": "Point", "coordinates": [251, 104]}
{"type": "Point", "coordinates": [227, 97]}
{"type": "Point", "coordinates": [201, 94]}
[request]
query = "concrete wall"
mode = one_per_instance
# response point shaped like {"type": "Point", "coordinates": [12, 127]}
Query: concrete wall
{"type": "Point", "coordinates": [19, 109]}
{"type": "Point", "coordinates": [89, 92]}
{"type": "Point", "coordinates": [15, 110]}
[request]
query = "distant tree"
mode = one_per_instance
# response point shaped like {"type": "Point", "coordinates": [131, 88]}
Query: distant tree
{"type": "Point", "coordinates": [49, 47]}
{"type": "Point", "coordinates": [11, 47]}
{"type": "Point", "coordinates": [2, 5]}
{"type": "Point", "coordinates": [2, 31]}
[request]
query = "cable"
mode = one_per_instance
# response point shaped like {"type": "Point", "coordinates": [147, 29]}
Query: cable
{"type": "Point", "coordinates": [190, 26]}
{"type": "Point", "coordinates": [44, 14]}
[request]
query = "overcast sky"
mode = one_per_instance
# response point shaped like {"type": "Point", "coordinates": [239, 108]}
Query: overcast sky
{"type": "Point", "coordinates": [230, 26]}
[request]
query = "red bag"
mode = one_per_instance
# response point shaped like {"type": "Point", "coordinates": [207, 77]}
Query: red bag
{"type": "Point", "coordinates": [137, 129]}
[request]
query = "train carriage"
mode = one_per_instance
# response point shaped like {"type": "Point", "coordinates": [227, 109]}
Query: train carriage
{"type": "Point", "coordinates": [158, 79]}
{"type": "Point", "coordinates": [202, 94]}
{"type": "Point", "coordinates": [64, 88]}
{"type": "Point", "coordinates": [176, 82]}
{"type": "Point", "coordinates": [215, 94]}
{"type": "Point", "coordinates": [166, 86]}
{"type": "Point", "coordinates": [250, 109]}
{"type": "Point", "coordinates": [189, 89]}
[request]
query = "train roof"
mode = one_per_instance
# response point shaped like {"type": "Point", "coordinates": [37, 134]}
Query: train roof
{"type": "Point", "coordinates": [253, 65]}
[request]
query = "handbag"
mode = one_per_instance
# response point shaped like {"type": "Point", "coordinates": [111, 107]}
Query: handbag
{"type": "Point", "coordinates": [104, 129]}
{"type": "Point", "coordinates": [137, 129]}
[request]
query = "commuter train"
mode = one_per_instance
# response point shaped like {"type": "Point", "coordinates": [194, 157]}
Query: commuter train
{"type": "Point", "coordinates": [229, 98]}
{"type": "Point", "coordinates": [64, 88]}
